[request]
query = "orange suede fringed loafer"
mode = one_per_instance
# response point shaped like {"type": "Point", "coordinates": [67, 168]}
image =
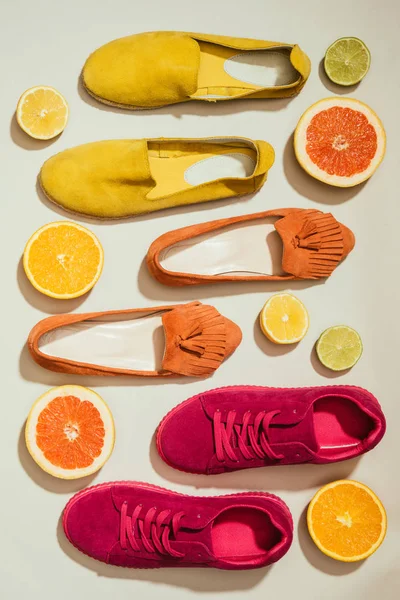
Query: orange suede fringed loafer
{"type": "Point", "coordinates": [276, 245]}
{"type": "Point", "coordinates": [162, 341]}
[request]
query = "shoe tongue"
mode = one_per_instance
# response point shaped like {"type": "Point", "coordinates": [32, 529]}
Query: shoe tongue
{"type": "Point", "coordinates": [195, 340]}
{"type": "Point", "coordinates": [313, 243]}
{"type": "Point", "coordinates": [302, 432]}
{"type": "Point", "coordinates": [201, 535]}
{"type": "Point", "coordinates": [195, 543]}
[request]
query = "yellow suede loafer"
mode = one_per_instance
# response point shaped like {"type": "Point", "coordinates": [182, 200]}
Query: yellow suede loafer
{"type": "Point", "coordinates": [150, 70]}
{"type": "Point", "coordinates": [124, 178]}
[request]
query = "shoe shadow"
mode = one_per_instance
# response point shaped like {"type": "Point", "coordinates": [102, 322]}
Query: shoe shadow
{"type": "Point", "coordinates": [43, 479]}
{"type": "Point", "coordinates": [42, 302]}
{"type": "Point", "coordinates": [31, 371]}
{"type": "Point", "coordinates": [198, 108]}
{"type": "Point", "coordinates": [317, 558]}
{"type": "Point", "coordinates": [159, 214]}
{"type": "Point", "coordinates": [153, 290]}
{"type": "Point", "coordinates": [284, 478]}
{"type": "Point", "coordinates": [192, 579]}
{"type": "Point", "coordinates": [311, 188]}
{"type": "Point", "coordinates": [63, 212]}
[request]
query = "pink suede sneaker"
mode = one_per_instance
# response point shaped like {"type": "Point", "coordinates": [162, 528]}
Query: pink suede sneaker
{"type": "Point", "coordinates": [243, 427]}
{"type": "Point", "coordinates": [143, 526]}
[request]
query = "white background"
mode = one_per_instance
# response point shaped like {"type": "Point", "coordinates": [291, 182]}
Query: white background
{"type": "Point", "coordinates": [47, 42]}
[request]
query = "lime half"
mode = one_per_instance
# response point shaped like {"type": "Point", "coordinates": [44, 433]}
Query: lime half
{"type": "Point", "coordinates": [339, 348]}
{"type": "Point", "coordinates": [347, 61]}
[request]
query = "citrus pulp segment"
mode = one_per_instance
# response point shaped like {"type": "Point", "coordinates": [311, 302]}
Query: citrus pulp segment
{"type": "Point", "coordinates": [339, 348]}
{"type": "Point", "coordinates": [346, 520]}
{"type": "Point", "coordinates": [63, 260]}
{"type": "Point", "coordinates": [70, 432]}
{"type": "Point", "coordinates": [284, 319]}
{"type": "Point", "coordinates": [347, 61]}
{"type": "Point", "coordinates": [42, 112]}
{"type": "Point", "coordinates": [340, 141]}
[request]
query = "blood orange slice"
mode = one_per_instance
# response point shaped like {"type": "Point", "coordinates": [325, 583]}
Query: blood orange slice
{"type": "Point", "coordinates": [340, 141]}
{"type": "Point", "coordinates": [70, 432]}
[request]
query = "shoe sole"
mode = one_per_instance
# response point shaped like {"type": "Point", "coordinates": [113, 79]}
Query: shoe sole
{"type": "Point", "coordinates": [209, 101]}
{"type": "Point", "coordinates": [125, 217]}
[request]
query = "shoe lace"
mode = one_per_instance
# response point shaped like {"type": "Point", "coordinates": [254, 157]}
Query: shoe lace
{"type": "Point", "coordinates": [154, 531]}
{"type": "Point", "coordinates": [245, 433]}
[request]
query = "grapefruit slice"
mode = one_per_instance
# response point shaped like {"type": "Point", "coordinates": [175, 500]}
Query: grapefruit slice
{"type": "Point", "coordinates": [340, 141]}
{"type": "Point", "coordinates": [70, 432]}
{"type": "Point", "coordinates": [346, 520]}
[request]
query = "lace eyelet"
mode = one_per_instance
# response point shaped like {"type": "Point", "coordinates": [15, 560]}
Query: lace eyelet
{"type": "Point", "coordinates": [198, 516]}
{"type": "Point", "coordinates": [295, 410]}
{"type": "Point", "coordinates": [297, 455]}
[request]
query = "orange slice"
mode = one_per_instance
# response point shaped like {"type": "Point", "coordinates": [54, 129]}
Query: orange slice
{"type": "Point", "coordinates": [70, 432]}
{"type": "Point", "coordinates": [346, 520]}
{"type": "Point", "coordinates": [63, 260]}
{"type": "Point", "coordinates": [340, 141]}
{"type": "Point", "coordinates": [42, 112]}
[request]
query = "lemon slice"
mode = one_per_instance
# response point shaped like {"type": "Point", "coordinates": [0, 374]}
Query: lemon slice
{"type": "Point", "coordinates": [346, 520]}
{"type": "Point", "coordinates": [63, 260]}
{"type": "Point", "coordinates": [42, 112]}
{"type": "Point", "coordinates": [339, 348]}
{"type": "Point", "coordinates": [284, 319]}
{"type": "Point", "coordinates": [347, 61]}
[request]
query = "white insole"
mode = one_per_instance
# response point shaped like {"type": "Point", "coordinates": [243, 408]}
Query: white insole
{"type": "Point", "coordinates": [136, 344]}
{"type": "Point", "coordinates": [265, 68]}
{"type": "Point", "coordinates": [236, 164]}
{"type": "Point", "coordinates": [254, 248]}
